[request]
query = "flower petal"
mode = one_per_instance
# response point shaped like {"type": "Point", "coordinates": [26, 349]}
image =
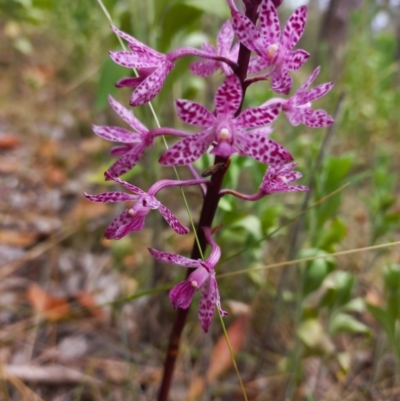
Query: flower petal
{"type": "Point", "coordinates": [316, 118]}
{"type": "Point", "coordinates": [228, 96]}
{"type": "Point", "coordinates": [152, 85]}
{"type": "Point", "coordinates": [138, 47]}
{"type": "Point", "coordinates": [294, 28]}
{"type": "Point", "coordinates": [294, 60]}
{"type": "Point", "coordinates": [173, 222]}
{"type": "Point", "coordinates": [258, 116]}
{"type": "Point", "coordinates": [207, 303]}
{"type": "Point", "coordinates": [294, 116]}
{"type": "Point", "coordinates": [127, 115]}
{"type": "Point", "coordinates": [258, 64]}
{"type": "Point", "coordinates": [269, 23]}
{"type": "Point", "coordinates": [315, 93]}
{"type": "Point", "coordinates": [126, 185]}
{"type": "Point", "coordinates": [133, 60]}
{"type": "Point", "coordinates": [281, 81]}
{"type": "Point", "coordinates": [308, 81]}
{"type": "Point", "coordinates": [225, 39]}
{"type": "Point", "coordinates": [188, 150]}
{"type": "Point", "coordinates": [193, 113]}
{"type": "Point", "coordinates": [174, 258]}
{"type": "Point", "coordinates": [107, 197]}
{"type": "Point", "coordinates": [120, 150]}
{"type": "Point", "coordinates": [127, 161]}
{"type": "Point", "coordinates": [123, 225]}
{"type": "Point", "coordinates": [204, 68]}
{"type": "Point", "coordinates": [181, 295]}
{"type": "Point", "coordinates": [246, 32]}
{"type": "Point", "coordinates": [116, 134]}
{"type": "Point", "coordinates": [256, 145]}
{"type": "Point", "coordinates": [129, 82]}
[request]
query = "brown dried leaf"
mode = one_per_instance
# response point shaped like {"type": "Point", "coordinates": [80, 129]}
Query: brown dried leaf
{"type": "Point", "coordinates": [19, 239]}
{"type": "Point", "coordinates": [220, 359]}
{"type": "Point", "coordinates": [9, 141]}
{"type": "Point", "coordinates": [56, 176]}
{"type": "Point", "coordinates": [52, 308]}
{"type": "Point", "coordinates": [87, 301]}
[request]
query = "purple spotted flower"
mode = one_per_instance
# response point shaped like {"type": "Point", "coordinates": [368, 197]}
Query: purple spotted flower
{"type": "Point", "coordinates": [153, 66]}
{"type": "Point", "coordinates": [298, 107]}
{"type": "Point", "coordinates": [135, 143]}
{"type": "Point", "coordinates": [273, 49]}
{"type": "Point", "coordinates": [224, 44]}
{"type": "Point", "coordinates": [276, 179]}
{"type": "Point", "coordinates": [133, 218]}
{"type": "Point", "coordinates": [226, 132]}
{"type": "Point", "coordinates": [203, 277]}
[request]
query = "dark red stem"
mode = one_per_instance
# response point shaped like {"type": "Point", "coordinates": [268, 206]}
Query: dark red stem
{"type": "Point", "coordinates": [209, 208]}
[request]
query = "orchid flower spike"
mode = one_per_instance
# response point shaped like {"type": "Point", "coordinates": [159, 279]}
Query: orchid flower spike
{"type": "Point", "coordinates": [153, 66]}
{"type": "Point", "coordinates": [133, 218]}
{"type": "Point", "coordinates": [276, 179]}
{"type": "Point", "coordinates": [273, 49]}
{"type": "Point", "coordinates": [225, 132]}
{"type": "Point", "coordinates": [224, 44]}
{"type": "Point", "coordinates": [182, 294]}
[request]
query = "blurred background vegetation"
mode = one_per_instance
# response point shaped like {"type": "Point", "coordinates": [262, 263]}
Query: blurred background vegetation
{"type": "Point", "coordinates": [324, 329]}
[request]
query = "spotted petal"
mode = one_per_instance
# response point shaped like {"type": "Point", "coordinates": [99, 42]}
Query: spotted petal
{"type": "Point", "coordinates": [207, 303]}
{"type": "Point", "coordinates": [294, 60]}
{"type": "Point", "coordinates": [193, 113]}
{"type": "Point", "coordinates": [173, 222]}
{"type": "Point", "coordinates": [128, 160]}
{"type": "Point", "coordinates": [311, 78]}
{"type": "Point", "coordinates": [246, 32]}
{"type": "Point", "coordinates": [256, 145]}
{"type": "Point", "coordinates": [152, 85]}
{"type": "Point", "coordinates": [127, 115]}
{"type": "Point", "coordinates": [258, 116]}
{"type": "Point", "coordinates": [225, 38]}
{"type": "Point", "coordinates": [138, 47]}
{"type": "Point", "coordinates": [258, 64]}
{"type": "Point", "coordinates": [132, 60]}
{"type": "Point", "coordinates": [204, 68]}
{"type": "Point", "coordinates": [316, 118]}
{"type": "Point", "coordinates": [281, 81]}
{"type": "Point", "coordinates": [107, 197]}
{"type": "Point", "coordinates": [116, 134]}
{"type": "Point", "coordinates": [269, 23]}
{"type": "Point", "coordinates": [315, 93]}
{"type": "Point", "coordinates": [126, 185]}
{"type": "Point", "coordinates": [188, 150]}
{"type": "Point", "coordinates": [174, 258]}
{"type": "Point", "coordinates": [228, 96]}
{"type": "Point", "coordinates": [294, 28]}
{"type": "Point", "coordinates": [123, 225]}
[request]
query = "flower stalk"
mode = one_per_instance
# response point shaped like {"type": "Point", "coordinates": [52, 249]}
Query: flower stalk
{"type": "Point", "coordinates": [226, 130]}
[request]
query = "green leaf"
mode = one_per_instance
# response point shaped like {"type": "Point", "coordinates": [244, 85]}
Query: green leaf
{"type": "Point", "coordinates": [344, 323]}
{"type": "Point", "coordinates": [251, 224]}
{"type": "Point", "coordinates": [218, 8]}
{"type": "Point", "coordinates": [179, 17]}
{"type": "Point", "coordinates": [384, 320]}
{"type": "Point", "coordinates": [312, 334]}
{"type": "Point", "coordinates": [110, 73]}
